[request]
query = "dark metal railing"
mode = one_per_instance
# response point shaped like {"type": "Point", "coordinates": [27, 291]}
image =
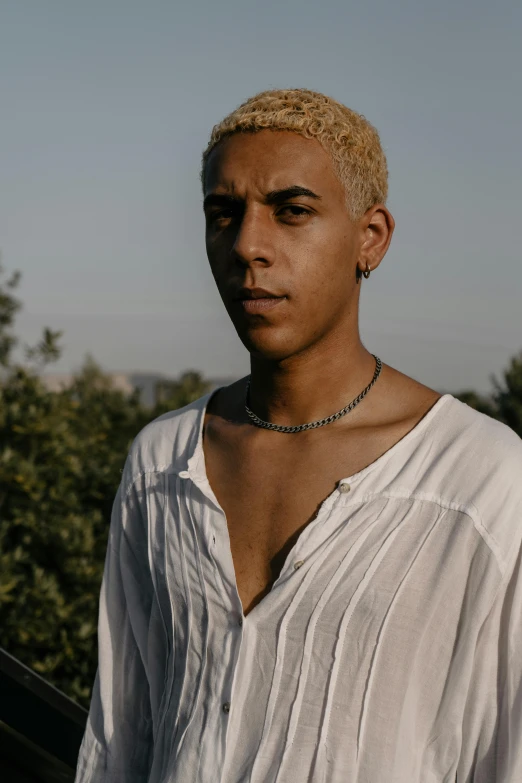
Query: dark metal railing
{"type": "Point", "coordinates": [41, 728]}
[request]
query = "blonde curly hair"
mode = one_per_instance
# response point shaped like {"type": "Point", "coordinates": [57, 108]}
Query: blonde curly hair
{"type": "Point", "coordinates": [348, 137]}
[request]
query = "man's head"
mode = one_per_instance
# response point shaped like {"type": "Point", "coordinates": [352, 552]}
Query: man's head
{"type": "Point", "coordinates": [294, 185]}
{"type": "Point", "coordinates": [353, 144]}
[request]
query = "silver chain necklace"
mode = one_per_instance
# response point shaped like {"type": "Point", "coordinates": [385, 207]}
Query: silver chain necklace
{"type": "Point", "coordinates": [321, 422]}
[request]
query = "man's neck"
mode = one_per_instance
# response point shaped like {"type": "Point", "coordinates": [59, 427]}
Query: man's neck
{"type": "Point", "coordinates": [311, 385]}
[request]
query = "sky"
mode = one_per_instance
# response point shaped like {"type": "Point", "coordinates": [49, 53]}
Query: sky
{"type": "Point", "coordinates": [106, 107]}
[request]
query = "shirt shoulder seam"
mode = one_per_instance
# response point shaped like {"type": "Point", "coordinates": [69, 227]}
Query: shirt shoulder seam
{"type": "Point", "coordinates": [469, 509]}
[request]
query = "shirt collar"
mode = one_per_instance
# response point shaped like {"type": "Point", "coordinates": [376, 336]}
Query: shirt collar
{"type": "Point", "coordinates": [195, 466]}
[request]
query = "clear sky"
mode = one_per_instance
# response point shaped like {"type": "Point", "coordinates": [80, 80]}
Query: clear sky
{"type": "Point", "coordinates": [106, 106]}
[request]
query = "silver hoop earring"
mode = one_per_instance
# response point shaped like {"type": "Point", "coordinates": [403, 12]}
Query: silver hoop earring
{"type": "Point", "coordinates": [367, 271]}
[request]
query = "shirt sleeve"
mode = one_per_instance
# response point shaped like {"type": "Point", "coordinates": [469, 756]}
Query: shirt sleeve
{"type": "Point", "coordinates": [492, 728]}
{"type": "Point", "coordinates": [118, 740]}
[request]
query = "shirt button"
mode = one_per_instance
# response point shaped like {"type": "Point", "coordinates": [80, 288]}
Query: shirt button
{"type": "Point", "coordinates": [240, 621]}
{"type": "Point", "coordinates": [298, 564]}
{"type": "Point", "coordinates": [344, 488]}
{"type": "Point", "coordinates": [226, 707]}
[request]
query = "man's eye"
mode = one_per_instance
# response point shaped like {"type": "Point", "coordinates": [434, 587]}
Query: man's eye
{"type": "Point", "coordinates": [294, 211]}
{"type": "Point", "coordinates": [223, 214]}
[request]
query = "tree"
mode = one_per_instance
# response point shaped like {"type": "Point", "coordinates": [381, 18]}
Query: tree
{"type": "Point", "coordinates": [61, 456]}
{"type": "Point", "coordinates": [505, 401]}
{"type": "Point", "coordinates": [9, 306]}
{"type": "Point", "coordinates": [508, 395]}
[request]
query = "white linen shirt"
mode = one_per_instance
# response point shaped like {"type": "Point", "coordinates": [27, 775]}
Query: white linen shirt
{"type": "Point", "coordinates": [389, 649]}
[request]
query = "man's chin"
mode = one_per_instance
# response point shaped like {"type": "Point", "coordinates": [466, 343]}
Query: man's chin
{"type": "Point", "coordinates": [268, 345]}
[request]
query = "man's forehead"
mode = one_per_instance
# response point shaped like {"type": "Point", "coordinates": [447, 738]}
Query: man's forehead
{"type": "Point", "coordinates": [268, 161]}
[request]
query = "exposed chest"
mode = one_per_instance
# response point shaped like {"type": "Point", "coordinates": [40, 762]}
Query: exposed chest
{"type": "Point", "coordinates": [270, 491]}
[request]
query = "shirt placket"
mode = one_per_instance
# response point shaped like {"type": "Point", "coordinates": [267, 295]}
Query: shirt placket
{"type": "Point", "coordinates": [226, 629]}
{"type": "Point", "coordinates": [316, 532]}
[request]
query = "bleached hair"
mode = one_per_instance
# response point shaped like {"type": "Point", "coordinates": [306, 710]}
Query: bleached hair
{"type": "Point", "coordinates": [352, 142]}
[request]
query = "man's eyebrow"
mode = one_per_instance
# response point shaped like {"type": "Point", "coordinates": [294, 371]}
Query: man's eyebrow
{"type": "Point", "coordinates": [273, 197]}
{"type": "Point", "coordinates": [220, 199]}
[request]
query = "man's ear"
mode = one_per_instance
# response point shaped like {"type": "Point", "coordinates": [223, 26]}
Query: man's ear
{"type": "Point", "coordinates": [377, 225]}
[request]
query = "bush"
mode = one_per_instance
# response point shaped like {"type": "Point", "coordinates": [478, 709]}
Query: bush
{"type": "Point", "coordinates": [61, 456]}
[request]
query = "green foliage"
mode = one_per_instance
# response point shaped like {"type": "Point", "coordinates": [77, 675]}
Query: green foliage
{"type": "Point", "coordinates": [175, 394]}
{"type": "Point", "coordinates": [508, 395]}
{"type": "Point", "coordinates": [9, 306]}
{"type": "Point", "coordinates": [505, 402]}
{"type": "Point", "coordinates": [61, 456]}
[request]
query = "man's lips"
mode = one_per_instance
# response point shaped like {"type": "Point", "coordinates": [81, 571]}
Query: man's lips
{"type": "Point", "coordinates": [261, 304]}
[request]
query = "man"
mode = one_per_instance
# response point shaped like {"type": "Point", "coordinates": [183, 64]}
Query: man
{"type": "Point", "coordinates": [313, 574]}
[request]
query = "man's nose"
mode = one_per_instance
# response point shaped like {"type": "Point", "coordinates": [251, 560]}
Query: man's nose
{"type": "Point", "coordinates": [253, 239]}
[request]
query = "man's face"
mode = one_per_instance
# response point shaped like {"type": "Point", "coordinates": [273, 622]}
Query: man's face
{"type": "Point", "coordinates": [299, 245]}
